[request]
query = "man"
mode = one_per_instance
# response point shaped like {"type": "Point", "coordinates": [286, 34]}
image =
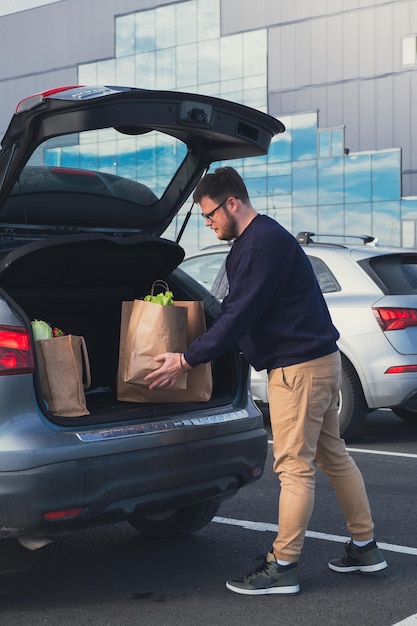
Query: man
{"type": "Point", "coordinates": [275, 311]}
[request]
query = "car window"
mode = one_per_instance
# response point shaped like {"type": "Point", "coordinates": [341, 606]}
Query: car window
{"type": "Point", "coordinates": [204, 268]}
{"type": "Point", "coordinates": [104, 162]}
{"type": "Point", "coordinates": [396, 274]}
{"type": "Point", "coordinates": [325, 278]}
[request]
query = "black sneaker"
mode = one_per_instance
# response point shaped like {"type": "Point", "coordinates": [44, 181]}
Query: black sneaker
{"type": "Point", "coordinates": [366, 559]}
{"type": "Point", "coordinates": [269, 577]}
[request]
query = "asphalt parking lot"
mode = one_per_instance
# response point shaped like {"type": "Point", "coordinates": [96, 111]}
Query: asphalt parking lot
{"type": "Point", "coordinates": [112, 576]}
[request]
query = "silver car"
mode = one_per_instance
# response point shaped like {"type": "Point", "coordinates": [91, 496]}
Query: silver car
{"type": "Point", "coordinates": [371, 292]}
{"type": "Point", "coordinates": [89, 179]}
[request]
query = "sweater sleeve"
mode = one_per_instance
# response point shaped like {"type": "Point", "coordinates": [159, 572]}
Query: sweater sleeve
{"type": "Point", "coordinates": [252, 273]}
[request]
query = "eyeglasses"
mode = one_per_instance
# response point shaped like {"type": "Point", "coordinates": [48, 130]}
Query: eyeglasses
{"type": "Point", "coordinates": [209, 216]}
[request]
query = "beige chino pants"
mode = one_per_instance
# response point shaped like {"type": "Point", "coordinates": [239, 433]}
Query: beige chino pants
{"type": "Point", "coordinates": [305, 427]}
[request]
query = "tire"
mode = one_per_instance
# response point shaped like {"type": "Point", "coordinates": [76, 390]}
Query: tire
{"type": "Point", "coordinates": [405, 414]}
{"type": "Point", "coordinates": [177, 523]}
{"type": "Point", "coordinates": [352, 404]}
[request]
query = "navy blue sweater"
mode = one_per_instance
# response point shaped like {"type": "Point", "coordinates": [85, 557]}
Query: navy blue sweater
{"type": "Point", "coordinates": [275, 310]}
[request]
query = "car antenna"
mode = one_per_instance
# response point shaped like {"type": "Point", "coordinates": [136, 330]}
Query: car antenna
{"type": "Point", "coordinates": [188, 215]}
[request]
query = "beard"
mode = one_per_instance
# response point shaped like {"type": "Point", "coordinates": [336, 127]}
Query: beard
{"type": "Point", "coordinates": [229, 230]}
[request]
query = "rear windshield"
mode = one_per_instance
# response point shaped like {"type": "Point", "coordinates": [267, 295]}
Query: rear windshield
{"type": "Point", "coordinates": [396, 274]}
{"type": "Point", "coordinates": [104, 162]}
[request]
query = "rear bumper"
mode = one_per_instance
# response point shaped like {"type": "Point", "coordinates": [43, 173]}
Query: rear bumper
{"type": "Point", "coordinates": [111, 488]}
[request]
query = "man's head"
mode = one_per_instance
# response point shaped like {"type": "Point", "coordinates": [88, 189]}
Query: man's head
{"type": "Point", "coordinates": [224, 202]}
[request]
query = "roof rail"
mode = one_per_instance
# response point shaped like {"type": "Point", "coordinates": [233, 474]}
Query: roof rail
{"type": "Point", "coordinates": [305, 237]}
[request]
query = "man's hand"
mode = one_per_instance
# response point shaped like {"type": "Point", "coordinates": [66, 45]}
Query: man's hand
{"type": "Point", "coordinates": [173, 365]}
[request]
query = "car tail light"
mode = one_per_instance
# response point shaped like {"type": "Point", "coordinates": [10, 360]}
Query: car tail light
{"type": "Point", "coordinates": [16, 355]}
{"type": "Point", "coordinates": [63, 514]}
{"type": "Point", "coordinates": [395, 318]}
{"type": "Point", "coordinates": [402, 369]}
{"type": "Point", "coordinates": [32, 101]}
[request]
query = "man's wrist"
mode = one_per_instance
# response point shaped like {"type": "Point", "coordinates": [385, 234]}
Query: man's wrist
{"type": "Point", "coordinates": [185, 367]}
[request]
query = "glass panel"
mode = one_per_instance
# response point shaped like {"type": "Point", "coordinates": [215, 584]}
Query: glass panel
{"type": "Point", "coordinates": [386, 175]}
{"type": "Point", "coordinates": [106, 72]}
{"type": "Point", "coordinates": [281, 146]}
{"type": "Point", "coordinates": [409, 208]}
{"type": "Point", "coordinates": [69, 157]}
{"type": "Point", "coordinates": [231, 57]}
{"type": "Point", "coordinates": [330, 219]}
{"type": "Point", "coordinates": [256, 187]}
{"type": "Point", "coordinates": [165, 26]}
{"type": "Point", "coordinates": [254, 82]}
{"type": "Point", "coordinates": [145, 70]}
{"type": "Point", "coordinates": [87, 74]}
{"type": "Point", "coordinates": [186, 65]}
{"type": "Point", "coordinates": [324, 143]}
{"type": "Point", "coordinates": [255, 98]}
{"type": "Point", "coordinates": [232, 90]}
{"type": "Point", "coordinates": [337, 142]}
{"type": "Point", "coordinates": [278, 185]}
{"type": "Point", "coordinates": [208, 16]}
{"type": "Point", "coordinates": [358, 187]}
{"type": "Point", "coordinates": [279, 169]}
{"type": "Point", "coordinates": [107, 157]}
{"type": "Point", "coordinates": [208, 62]}
{"type": "Point", "coordinates": [145, 37]}
{"type": "Point", "coordinates": [358, 219]}
{"type": "Point", "coordinates": [278, 202]}
{"type": "Point", "coordinates": [125, 71]}
{"type": "Point", "coordinates": [209, 89]}
{"type": "Point", "coordinates": [283, 215]}
{"type": "Point", "coordinates": [125, 35]}
{"type": "Point", "coordinates": [304, 183]}
{"type": "Point", "coordinates": [186, 22]}
{"type": "Point", "coordinates": [255, 53]}
{"type": "Point", "coordinates": [304, 135]}
{"type": "Point", "coordinates": [386, 222]}
{"type": "Point", "coordinates": [330, 181]}
{"type": "Point", "coordinates": [304, 218]}
{"type": "Point", "coordinates": [165, 69]}
{"type": "Point", "coordinates": [408, 233]}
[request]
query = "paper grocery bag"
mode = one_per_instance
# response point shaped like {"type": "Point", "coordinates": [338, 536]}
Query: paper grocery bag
{"type": "Point", "coordinates": [199, 379]}
{"type": "Point", "coordinates": [64, 373]}
{"type": "Point", "coordinates": [152, 329]}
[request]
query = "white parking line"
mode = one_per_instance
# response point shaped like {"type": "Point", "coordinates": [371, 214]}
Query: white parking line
{"type": "Point", "coordinates": [265, 527]}
{"type": "Point", "coordinates": [406, 455]}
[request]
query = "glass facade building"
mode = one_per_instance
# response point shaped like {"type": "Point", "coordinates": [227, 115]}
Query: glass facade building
{"type": "Point", "coordinates": [309, 180]}
{"type": "Point", "coordinates": [306, 63]}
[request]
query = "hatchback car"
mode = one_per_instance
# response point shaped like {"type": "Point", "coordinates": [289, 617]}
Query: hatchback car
{"type": "Point", "coordinates": [371, 292]}
{"type": "Point", "coordinates": [90, 177]}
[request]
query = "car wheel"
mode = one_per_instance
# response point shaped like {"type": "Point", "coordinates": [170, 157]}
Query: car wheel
{"type": "Point", "coordinates": [352, 404]}
{"type": "Point", "coordinates": [177, 523]}
{"type": "Point", "coordinates": [405, 414]}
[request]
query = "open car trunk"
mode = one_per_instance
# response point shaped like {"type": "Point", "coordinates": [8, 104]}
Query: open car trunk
{"type": "Point", "coordinates": [78, 283]}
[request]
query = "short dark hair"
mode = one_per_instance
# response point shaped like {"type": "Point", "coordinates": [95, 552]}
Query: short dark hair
{"type": "Point", "coordinates": [224, 182]}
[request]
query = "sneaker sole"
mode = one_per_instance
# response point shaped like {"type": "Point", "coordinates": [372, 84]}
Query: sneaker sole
{"type": "Point", "coordinates": [366, 569]}
{"type": "Point", "coordinates": [287, 591]}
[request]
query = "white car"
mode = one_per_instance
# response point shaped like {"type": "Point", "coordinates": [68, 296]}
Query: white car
{"type": "Point", "coordinates": [371, 292]}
